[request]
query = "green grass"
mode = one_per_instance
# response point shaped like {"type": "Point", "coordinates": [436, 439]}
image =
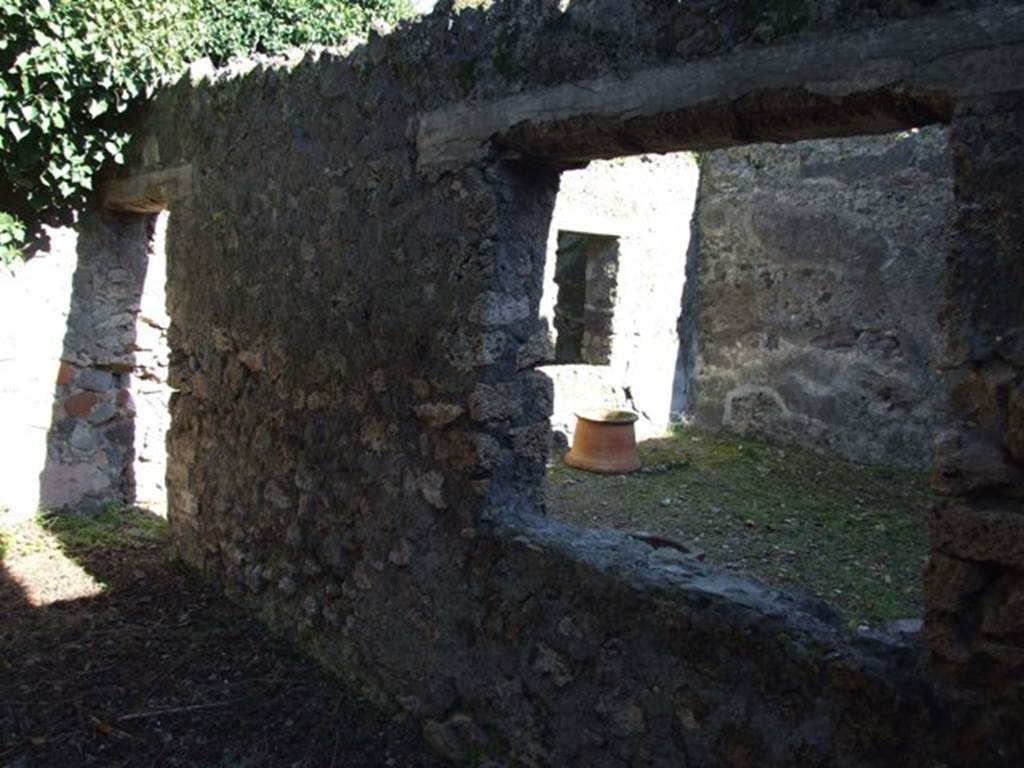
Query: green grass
{"type": "Point", "coordinates": [853, 535]}
{"type": "Point", "coordinates": [115, 527]}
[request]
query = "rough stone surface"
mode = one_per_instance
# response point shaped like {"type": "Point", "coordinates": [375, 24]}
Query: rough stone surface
{"type": "Point", "coordinates": [104, 357]}
{"type": "Point", "coordinates": [637, 211]}
{"type": "Point", "coordinates": [980, 532]}
{"type": "Point", "coordinates": [971, 461]}
{"type": "Point", "coordinates": [811, 313]}
{"type": "Point", "coordinates": [983, 331]}
{"type": "Point", "coordinates": [412, 557]}
{"type": "Point", "coordinates": [952, 584]}
{"type": "Point", "coordinates": [1014, 438]}
{"type": "Point", "coordinates": [78, 441]}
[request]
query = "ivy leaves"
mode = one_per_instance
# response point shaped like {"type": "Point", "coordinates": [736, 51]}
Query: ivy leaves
{"type": "Point", "coordinates": [70, 68]}
{"type": "Point", "coordinates": [272, 26]}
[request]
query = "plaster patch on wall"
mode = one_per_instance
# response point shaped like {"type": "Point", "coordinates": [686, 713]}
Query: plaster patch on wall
{"type": "Point", "coordinates": [645, 203]}
{"type": "Point", "coordinates": [817, 274]}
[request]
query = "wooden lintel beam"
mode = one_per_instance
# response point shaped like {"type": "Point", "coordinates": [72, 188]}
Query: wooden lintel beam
{"type": "Point", "coordinates": [149, 192]}
{"type": "Point", "coordinates": [960, 55]}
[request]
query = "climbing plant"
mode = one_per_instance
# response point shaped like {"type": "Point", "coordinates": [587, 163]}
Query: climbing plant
{"type": "Point", "coordinates": [271, 26]}
{"type": "Point", "coordinates": [71, 68]}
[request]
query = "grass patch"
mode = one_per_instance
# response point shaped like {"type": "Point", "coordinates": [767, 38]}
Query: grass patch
{"type": "Point", "coordinates": [853, 535]}
{"type": "Point", "coordinates": [115, 527]}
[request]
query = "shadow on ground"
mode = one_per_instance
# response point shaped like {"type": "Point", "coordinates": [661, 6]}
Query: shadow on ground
{"type": "Point", "coordinates": [155, 668]}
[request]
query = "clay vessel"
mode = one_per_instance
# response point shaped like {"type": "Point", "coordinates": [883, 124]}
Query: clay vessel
{"type": "Point", "coordinates": [605, 442]}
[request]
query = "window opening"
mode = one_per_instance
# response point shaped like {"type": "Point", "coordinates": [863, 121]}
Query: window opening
{"type": "Point", "coordinates": [788, 292]}
{"type": "Point", "coordinates": [586, 274]}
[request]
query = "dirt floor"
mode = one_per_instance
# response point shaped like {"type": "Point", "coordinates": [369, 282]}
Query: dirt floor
{"type": "Point", "coordinates": [852, 535]}
{"type": "Point", "coordinates": [111, 655]}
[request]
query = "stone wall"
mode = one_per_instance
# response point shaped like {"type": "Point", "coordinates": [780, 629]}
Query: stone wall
{"type": "Point", "coordinates": [646, 204]}
{"type": "Point", "coordinates": [356, 258]}
{"type": "Point", "coordinates": [150, 393]}
{"type": "Point", "coordinates": [974, 582]}
{"type": "Point", "coordinates": [84, 379]}
{"type": "Point", "coordinates": [814, 294]}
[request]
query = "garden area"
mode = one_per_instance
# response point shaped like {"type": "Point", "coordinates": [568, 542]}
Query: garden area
{"type": "Point", "coordinates": [853, 536]}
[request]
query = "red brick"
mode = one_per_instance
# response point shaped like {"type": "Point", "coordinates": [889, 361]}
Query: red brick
{"type": "Point", "coordinates": [66, 373]}
{"type": "Point", "coordinates": [81, 404]}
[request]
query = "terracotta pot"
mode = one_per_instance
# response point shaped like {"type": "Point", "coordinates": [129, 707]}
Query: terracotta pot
{"type": "Point", "coordinates": [605, 442]}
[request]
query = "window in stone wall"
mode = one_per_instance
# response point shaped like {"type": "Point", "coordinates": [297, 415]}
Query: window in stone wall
{"type": "Point", "coordinates": [783, 300]}
{"type": "Point", "coordinates": [586, 273]}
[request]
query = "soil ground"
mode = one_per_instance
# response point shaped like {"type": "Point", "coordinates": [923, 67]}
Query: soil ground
{"type": "Point", "coordinates": [854, 536]}
{"type": "Point", "coordinates": [113, 655]}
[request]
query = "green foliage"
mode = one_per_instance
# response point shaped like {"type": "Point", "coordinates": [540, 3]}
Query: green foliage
{"type": "Point", "coordinates": [71, 68]}
{"type": "Point", "coordinates": [12, 238]}
{"type": "Point", "coordinates": [272, 26]}
{"type": "Point", "coordinates": [115, 527]}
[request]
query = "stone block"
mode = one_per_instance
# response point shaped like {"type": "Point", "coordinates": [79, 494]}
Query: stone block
{"type": "Point", "coordinates": [457, 738]}
{"type": "Point", "coordinates": [66, 373]}
{"type": "Point", "coordinates": [81, 404]}
{"type": "Point", "coordinates": [401, 554]}
{"type": "Point", "coordinates": [1008, 657]}
{"type": "Point", "coordinates": [532, 442]}
{"type": "Point", "coordinates": [431, 485]}
{"type": "Point", "coordinates": [376, 435]}
{"type": "Point", "coordinates": [951, 584]}
{"type": "Point", "coordinates": [1002, 607]}
{"type": "Point", "coordinates": [120, 433]}
{"type": "Point", "coordinates": [984, 535]}
{"type": "Point", "coordinates": [467, 350]}
{"type": "Point", "coordinates": [125, 402]}
{"type": "Point", "coordinates": [968, 462]}
{"type": "Point", "coordinates": [84, 438]}
{"type": "Point", "coordinates": [980, 397]}
{"type": "Point", "coordinates": [102, 413]}
{"type": "Point", "coordinates": [1013, 440]}
{"type": "Point", "coordinates": [67, 485]}
{"type": "Point", "coordinates": [537, 350]}
{"type": "Point", "coordinates": [438, 415]}
{"type": "Point", "coordinates": [941, 636]}
{"type": "Point", "coordinates": [468, 451]}
{"type": "Point", "coordinates": [95, 379]}
{"type": "Point", "coordinates": [495, 402]}
{"type": "Point", "coordinates": [500, 309]}
{"type": "Point", "coordinates": [539, 393]}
